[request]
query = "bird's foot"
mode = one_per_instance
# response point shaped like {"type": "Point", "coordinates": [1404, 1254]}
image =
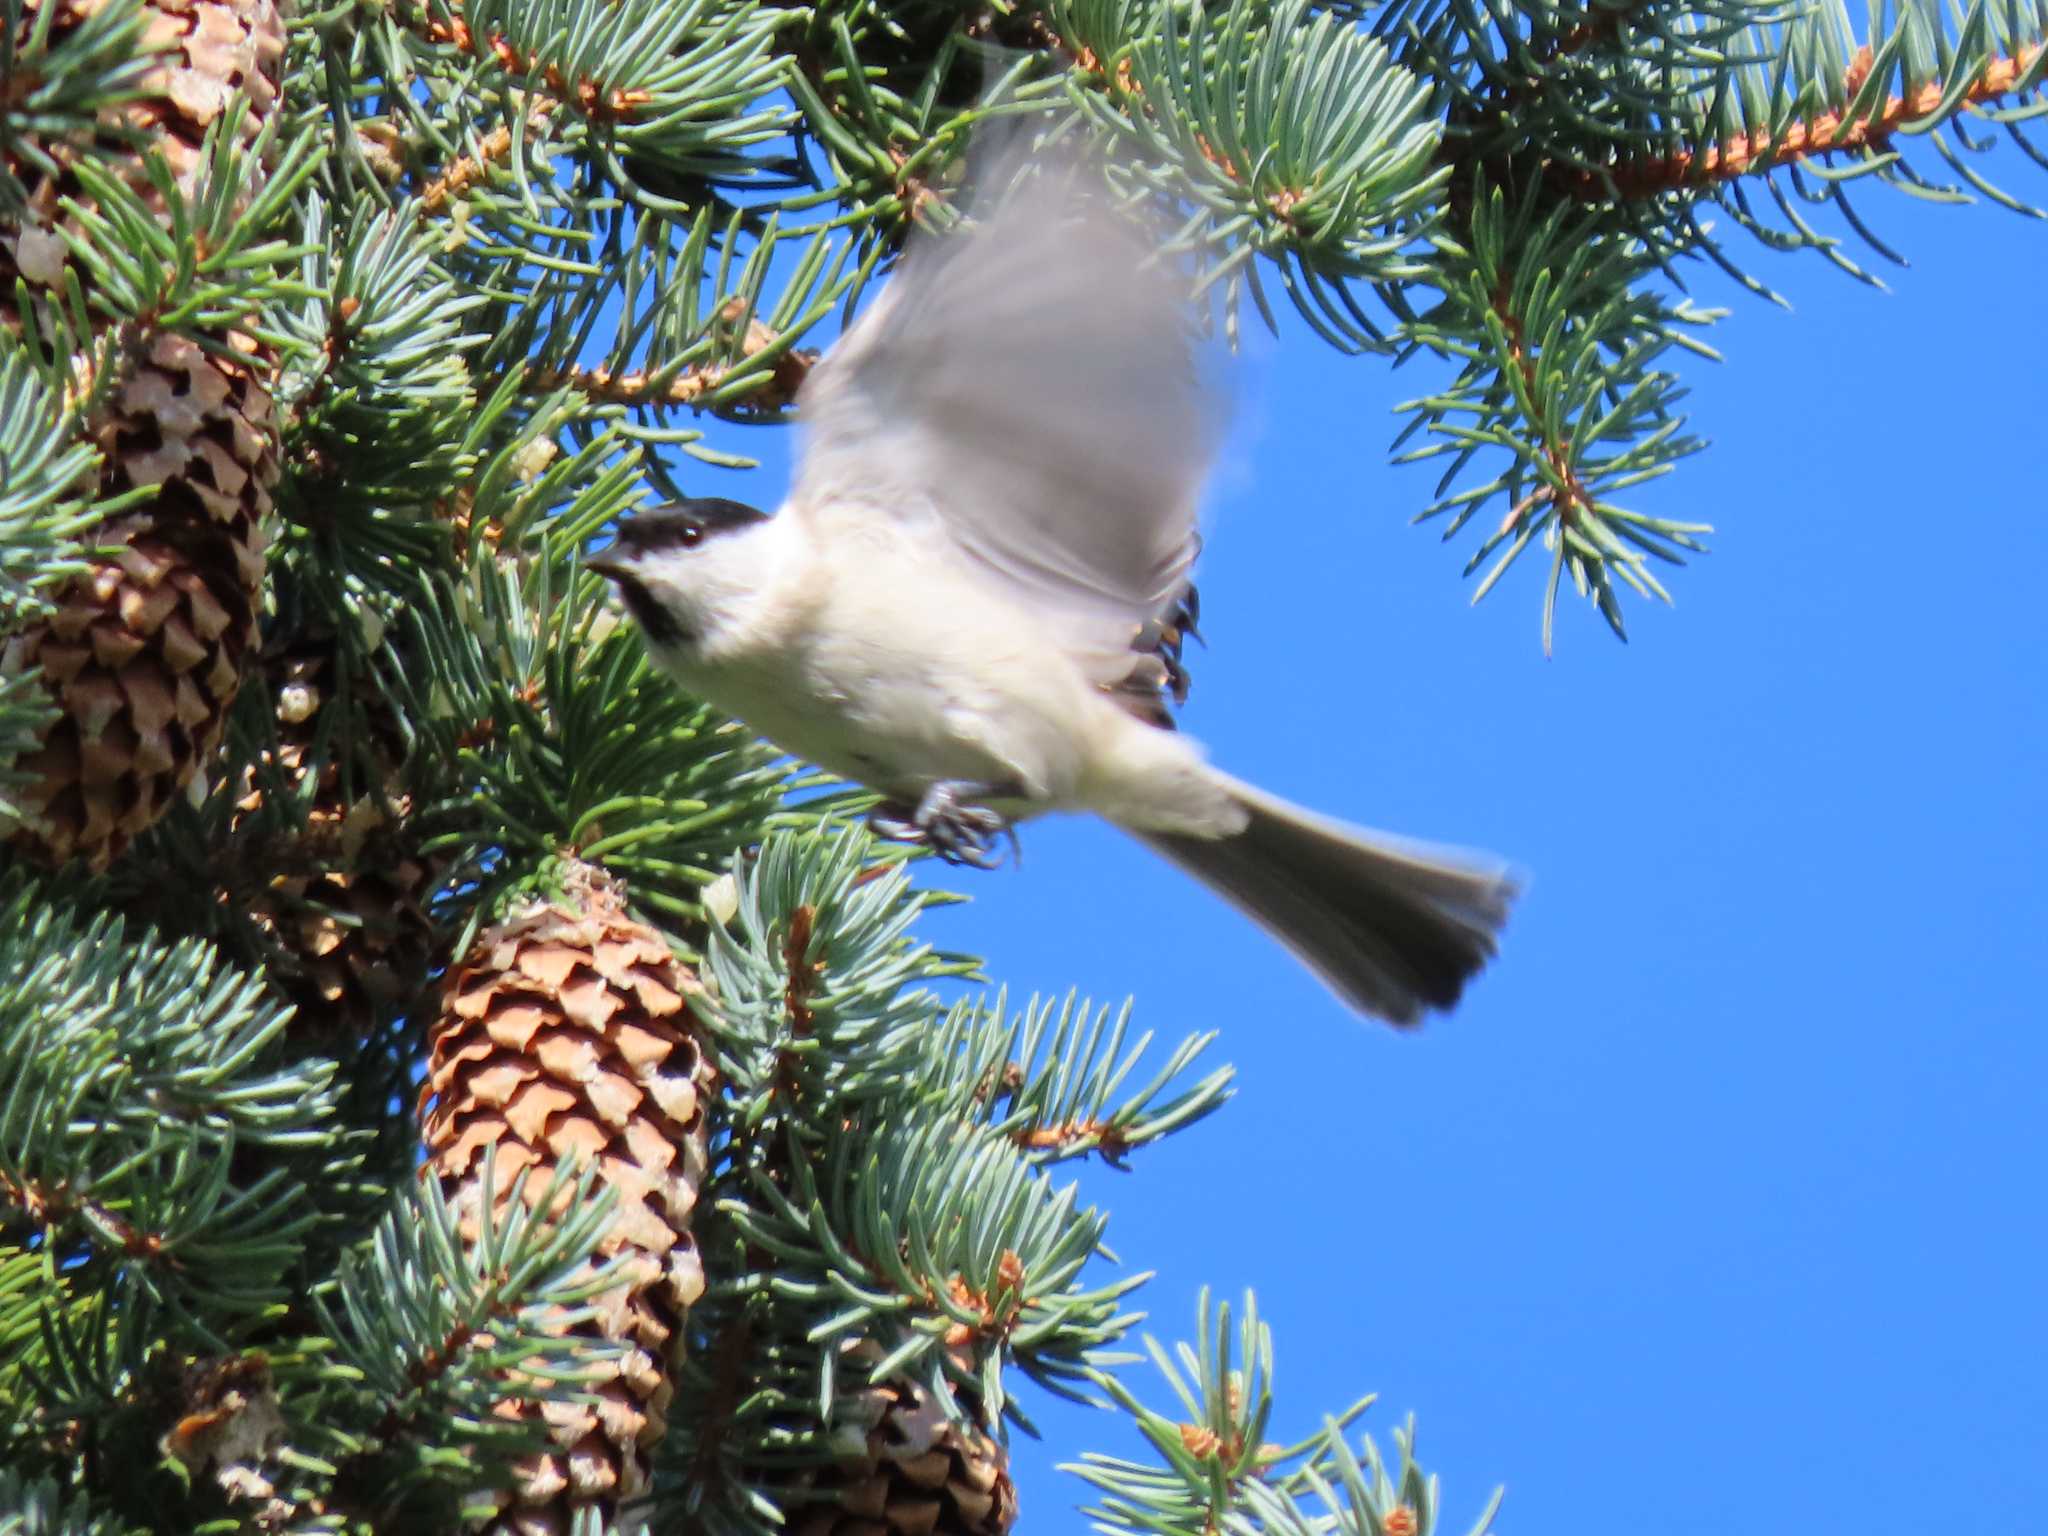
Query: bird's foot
{"type": "Point", "coordinates": [946, 821]}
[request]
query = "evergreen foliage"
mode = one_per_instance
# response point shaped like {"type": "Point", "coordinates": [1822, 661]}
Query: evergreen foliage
{"type": "Point", "coordinates": [370, 321]}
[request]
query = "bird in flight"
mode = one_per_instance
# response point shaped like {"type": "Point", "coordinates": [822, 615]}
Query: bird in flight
{"type": "Point", "coordinates": [974, 597]}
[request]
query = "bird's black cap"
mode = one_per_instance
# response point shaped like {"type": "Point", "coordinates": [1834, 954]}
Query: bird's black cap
{"type": "Point", "coordinates": [682, 523]}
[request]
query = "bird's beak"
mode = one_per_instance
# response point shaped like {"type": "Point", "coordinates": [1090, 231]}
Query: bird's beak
{"type": "Point", "coordinates": [606, 565]}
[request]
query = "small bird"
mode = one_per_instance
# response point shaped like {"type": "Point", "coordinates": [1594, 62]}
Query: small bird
{"type": "Point", "coordinates": [973, 598]}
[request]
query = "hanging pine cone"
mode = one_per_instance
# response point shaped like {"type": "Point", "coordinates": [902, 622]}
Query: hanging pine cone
{"type": "Point", "coordinates": [565, 1035]}
{"type": "Point", "coordinates": [913, 1469]}
{"type": "Point", "coordinates": [308, 846]}
{"type": "Point", "coordinates": [146, 649]}
{"type": "Point", "coordinates": [335, 885]}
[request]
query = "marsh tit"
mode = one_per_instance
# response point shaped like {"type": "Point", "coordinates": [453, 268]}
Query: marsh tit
{"type": "Point", "coordinates": [974, 596]}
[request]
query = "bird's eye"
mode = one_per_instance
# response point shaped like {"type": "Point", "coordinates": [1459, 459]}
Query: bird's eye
{"type": "Point", "coordinates": [690, 535]}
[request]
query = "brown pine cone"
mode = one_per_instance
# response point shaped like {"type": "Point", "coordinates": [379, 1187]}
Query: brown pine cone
{"type": "Point", "coordinates": [146, 649]}
{"type": "Point", "coordinates": [916, 1470]}
{"type": "Point", "coordinates": [565, 1035]}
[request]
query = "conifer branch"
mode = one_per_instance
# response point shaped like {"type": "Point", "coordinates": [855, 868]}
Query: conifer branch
{"type": "Point", "coordinates": [55, 1205]}
{"type": "Point", "coordinates": [1075, 1137]}
{"type": "Point", "coordinates": [593, 98]}
{"type": "Point", "coordinates": [426, 1372]}
{"type": "Point", "coordinates": [729, 1355]}
{"type": "Point", "coordinates": [1537, 57]}
{"type": "Point", "coordinates": [992, 1312]}
{"type": "Point", "coordinates": [804, 973]}
{"type": "Point", "coordinates": [1829, 133]}
{"type": "Point", "coordinates": [40, 1508]}
{"type": "Point", "coordinates": [466, 171]}
{"type": "Point", "coordinates": [1562, 490]}
{"type": "Point", "coordinates": [777, 390]}
{"type": "Point", "coordinates": [1214, 1470]}
{"type": "Point", "coordinates": [773, 390]}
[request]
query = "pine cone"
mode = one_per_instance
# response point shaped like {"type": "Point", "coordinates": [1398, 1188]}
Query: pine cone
{"type": "Point", "coordinates": [565, 1034]}
{"type": "Point", "coordinates": [209, 51]}
{"type": "Point", "coordinates": [914, 1470]}
{"type": "Point", "coordinates": [308, 847]}
{"type": "Point", "coordinates": [146, 649]}
{"type": "Point", "coordinates": [339, 894]}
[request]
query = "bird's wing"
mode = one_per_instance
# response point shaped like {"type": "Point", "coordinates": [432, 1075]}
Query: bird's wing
{"type": "Point", "coordinates": [1029, 385]}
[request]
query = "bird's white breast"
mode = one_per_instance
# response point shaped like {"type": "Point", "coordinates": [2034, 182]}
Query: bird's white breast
{"type": "Point", "coordinates": [881, 656]}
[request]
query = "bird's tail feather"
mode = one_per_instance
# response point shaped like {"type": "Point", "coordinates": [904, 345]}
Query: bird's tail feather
{"type": "Point", "coordinates": [1393, 930]}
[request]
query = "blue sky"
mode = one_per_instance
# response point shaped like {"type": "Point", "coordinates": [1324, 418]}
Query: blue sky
{"type": "Point", "coordinates": [1718, 1205]}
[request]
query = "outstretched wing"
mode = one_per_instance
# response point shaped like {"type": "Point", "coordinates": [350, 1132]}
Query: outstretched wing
{"type": "Point", "coordinates": [1029, 384]}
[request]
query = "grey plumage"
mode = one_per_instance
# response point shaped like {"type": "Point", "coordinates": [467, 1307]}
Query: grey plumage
{"type": "Point", "coordinates": [1392, 931]}
{"type": "Point", "coordinates": [1042, 361]}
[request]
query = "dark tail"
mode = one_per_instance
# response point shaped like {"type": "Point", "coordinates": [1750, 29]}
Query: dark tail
{"type": "Point", "coordinates": [1392, 932]}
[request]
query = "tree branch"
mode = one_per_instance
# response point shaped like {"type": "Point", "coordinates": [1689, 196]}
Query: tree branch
{"type": "Point", "coordinates": [776, 391]}
{"type": "Point", "coordinates": [1072, 1138]}
{"type": "Point", "coordinates": [465, 171]}
{"type": "Point", "coordinates": [53, 1205]}
{"type": "Point", "coordinates": [1827, 134]}
{"type": "Point", "coordinates": [591, 97]}
{"type": "Point", "coordinates": [1569, 494]}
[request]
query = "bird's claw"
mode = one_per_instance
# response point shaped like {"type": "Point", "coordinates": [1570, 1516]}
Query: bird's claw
{"type": "Point", "coordinates": [957, 831]}
{"type": "Point", "coordinates": [1177, 678]}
